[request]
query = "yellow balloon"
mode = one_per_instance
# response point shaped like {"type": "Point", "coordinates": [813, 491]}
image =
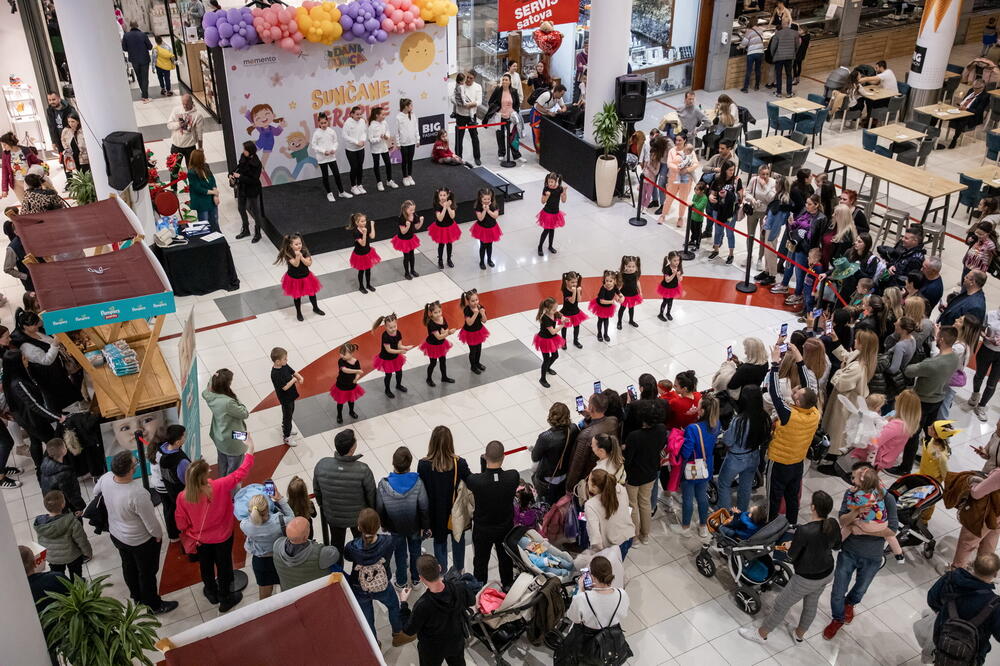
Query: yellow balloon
{"type": "Point", "coordinates": [305, 23]}
{"type": "Point", "coordinates": [442, 20]}
{"type": "Point", "coordinates": [338, 30]}
{"type": "Point", "coordinates": [426, 14]}
{"type": "Point", "coordinates": [452, 9]}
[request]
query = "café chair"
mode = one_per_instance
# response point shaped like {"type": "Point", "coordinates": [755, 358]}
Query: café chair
{"type": "Point", "coordinates": [777, 122]}
{"type": "Point", "coordinates": [992, 147]}
{"type": "Point", "coordinates": [970, 196]}
{"type": "Point", "coordinates": [749, 162]}
{"type": "Point", "coordinates": [813, 126]}
{"type": "Point", "coordinates": [869, 142]}
{"type": "Point", "coordinates": [917, 156]}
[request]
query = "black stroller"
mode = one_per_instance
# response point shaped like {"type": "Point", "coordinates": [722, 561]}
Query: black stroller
{"type": "Point", "coordinates": [914, 494]}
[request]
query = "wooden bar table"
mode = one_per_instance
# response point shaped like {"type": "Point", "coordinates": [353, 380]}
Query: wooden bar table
{"type": "Point", "coordinates": [945, 113]}
{"type": "Point", "coordinates": [776, 144]}
{"type": "Point", "coordinates": [876, 93]}
{"type": "Point", "coordinates": [797, 105]}
{"type": "Point", "coordinates": [989, 174]}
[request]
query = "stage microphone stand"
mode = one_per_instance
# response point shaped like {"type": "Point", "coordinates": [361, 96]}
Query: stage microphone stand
{"type": "Point", "coordinates": [686, 253]}
{"type": "Point", "coordinates": [507, 162]}
{"type": "Point", "coordinates": [747, 287]}
{"type": "Point", "coordinates": [638, 220]}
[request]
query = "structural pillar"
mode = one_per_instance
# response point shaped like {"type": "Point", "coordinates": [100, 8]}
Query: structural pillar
{"type": "Point", "coordinates": [100, 82]}
{"type": "Point", "coordinates": [607, 55]}
{"type": "Point", "coordinates": [21, 631]}
{"type": "Point", "coordinates": [930, 56]}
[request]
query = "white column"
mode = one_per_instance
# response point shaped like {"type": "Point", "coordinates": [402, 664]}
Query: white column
{"type": "Point", "coordinates": [931, 53]}
{"type": "Point", "coordinates": [20, 631]}
{"type": "Point", "coordinates": [103, 96]}
{"type": "Point", "coordinates": [607, 55]}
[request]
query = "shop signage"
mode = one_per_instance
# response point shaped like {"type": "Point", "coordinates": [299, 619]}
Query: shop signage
{"type": "Point", "coordinates": [528, 14]}
{"type": "Point", "coordinates": [917, 61]}
{"type": "Point", "coordinates": [112, 312]}
{"type": "Point", "coordinates": [429, 128]}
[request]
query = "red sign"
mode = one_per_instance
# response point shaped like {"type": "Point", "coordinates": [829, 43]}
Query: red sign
{"type": "Point", "coordinates": [528, 14]}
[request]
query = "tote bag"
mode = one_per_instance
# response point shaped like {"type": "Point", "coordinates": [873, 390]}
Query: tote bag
{"type": "Point", "coordinates": [697, 469]}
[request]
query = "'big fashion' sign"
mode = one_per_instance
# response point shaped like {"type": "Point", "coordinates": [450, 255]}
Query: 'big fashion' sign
{"type": "Point", "coordinates": [527, 14]}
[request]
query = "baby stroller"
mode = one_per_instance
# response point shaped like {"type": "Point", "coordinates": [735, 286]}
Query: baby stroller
{"type": "Point", "coordinates": [522, 558]}
{"type": "Point", "coordinates": [752, 562]}
{"type": "Point", "coordinates": [914, 494]}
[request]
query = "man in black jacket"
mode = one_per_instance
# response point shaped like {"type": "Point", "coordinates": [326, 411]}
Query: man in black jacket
{"type": "Point", "coordinates": [976, 102]}
{"type": "Point", "coordinates": [642, 463]}
{"type": "Point", "coordinates": [971, 591]}
{"type": "Point", "coordinates": [137, 45]}
{"type": "Point", "coordinates": [905, 256]}
{"type": "Point", "coordinates": [56, 113]}
{"type": "Point", "coordinates": [343, 486]}
{"type": "Point", "coordinates": [57, 474]}
{"type": "Point", "coordinates": [493, 491]}
{"type": "Point", "coordinates": [436, 618]}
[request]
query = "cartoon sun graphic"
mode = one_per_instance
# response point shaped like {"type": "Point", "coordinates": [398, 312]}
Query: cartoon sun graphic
{"type": "Point", "coordinates": [417, 52]}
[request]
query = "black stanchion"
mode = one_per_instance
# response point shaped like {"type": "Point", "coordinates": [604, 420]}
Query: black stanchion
{"type": "Point", "coordinates": [686, 253]}
{"type": "Point", "coordinates": [747, 287]}
{"type": "Point", "coordinates": [638, 220]}
{"type": "Point", "coordinates": [507, 162]}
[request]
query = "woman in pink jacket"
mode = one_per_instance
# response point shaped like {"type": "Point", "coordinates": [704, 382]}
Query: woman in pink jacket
{"type": "Point", "coordinates": [205, 518]}
{"type": "Point", "coordinates": [890, 442]}
{"type": "Point", "coordinates": [681, 165]}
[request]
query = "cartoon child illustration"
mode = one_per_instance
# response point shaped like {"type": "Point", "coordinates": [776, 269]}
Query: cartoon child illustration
{"type": "Point", "coordinates": [262, 119]}
{"type": "Point", "coordinates": [296, 148]}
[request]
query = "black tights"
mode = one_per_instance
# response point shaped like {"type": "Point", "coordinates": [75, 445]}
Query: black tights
{"type": "Point", "coordinates": [340, 410]}
{"type": "Point", "coordinates": [331, 167]}
{"type": "Point", "coordinates": [409, 258]}
{"type": "Point", "coordinates": [443, 362]}
{"type": "Point", "coordinates": [485, 252]}
{"type": "Point", "coordinates": [666, 303]}
{"type": "Point", "coordinates": [441, 247]}
{"type": "Point", "coordinates": [550, 234]}
{"type": "Point", "coordinates": [298, 305]}
{"type": "Point", "coordinates": [576, 334]}
{"type": "Point", "coordinates": [388, 379]}
{"type": "Point", "coordinates": [631, 315]}
{"type": "Point", "coordinates": [547, 362]}
{"type": "Point", "coordinates": [602, 323]}
{"type": "Point", "coordinates": [364, 277]}
{"type": "Point", "coordinates": [475, 355]}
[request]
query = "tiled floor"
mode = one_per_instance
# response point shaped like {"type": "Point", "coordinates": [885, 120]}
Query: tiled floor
{"type": "Point", "coordinates": [678, 616]}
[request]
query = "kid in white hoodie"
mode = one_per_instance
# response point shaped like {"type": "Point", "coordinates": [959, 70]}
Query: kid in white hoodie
{"type": "Point", "coordinates": [355, 136]}
{"type": "Point", "coordinates": [407, 135]}
{"type": "Point", "coordinates": [380, 140]}
{"type": "Point", "coordinates": [324, 145]}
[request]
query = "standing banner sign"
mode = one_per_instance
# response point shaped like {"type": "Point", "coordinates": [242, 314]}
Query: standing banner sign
{"type": "Point", "coordinates": [190, 414]}
{"type": "Point", "coordinates": [938, 26]}
{"type": "Point", "coordinates": [529, 14]}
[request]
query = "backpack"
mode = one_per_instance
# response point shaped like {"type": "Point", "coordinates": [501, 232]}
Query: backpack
{"type": "Point", "coordinates": [536, 93]}
{"type": "Point", "coordinates": [958, 640]}
{"type": "Point", "coordinates": [588, 647]}
{"type": "Point", "coordinates": [372, 577]}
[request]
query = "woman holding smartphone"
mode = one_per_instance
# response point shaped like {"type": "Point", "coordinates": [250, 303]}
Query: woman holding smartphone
{"type": "Point", "coordinates": [265, 523]}
{"type": "Point", "coordinates": [229, 421]}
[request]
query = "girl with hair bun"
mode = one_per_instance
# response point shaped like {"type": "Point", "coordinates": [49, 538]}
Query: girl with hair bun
{"type": "Point", "coordinates": [298, 280]}
{"type": "Point", "coordinates": [473, 332]}
{"type": "Point", "coordinates": [406, 240]}
{"type": "Point", "coordinates": [572, 316]}
{"type": "Point", "coordinates": [436, 346]}
{"type": "Point", "coordinates": [548, 340]}
{"type": "Point", "coordinates": [603, 305]}
{"type": "Point", "coordinates": [550, 217]}
{"type": "Point", "coordinates": [392, 353]}
{"type": "Point", "coordinates": [345, 389]}
{"type": "Point", "coordinates": [486, 230]}
{"type": "Point", "coordinates": [364, 256]}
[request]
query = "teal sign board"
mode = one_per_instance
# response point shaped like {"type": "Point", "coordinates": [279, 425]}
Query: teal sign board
{"type": "Point", "coordinates": [112, 312]}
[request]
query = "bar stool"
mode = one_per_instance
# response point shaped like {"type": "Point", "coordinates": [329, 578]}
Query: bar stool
{"type": "Point", "coordinates": [899, 219]}
{"type": "Point", "coordinates": [934, 234]}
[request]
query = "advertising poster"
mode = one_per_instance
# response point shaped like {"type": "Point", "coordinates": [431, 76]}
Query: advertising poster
{"type": "Point", "coordinates": [529, 14]}
{"type": "Point", "coordinates": [190, 411]}
{"type": "Point", "coordinates": [120, 435]}
{"type": "Point", "coordinates": [275, 96]}
{"type": "Point", "coordinates": [938, 26]}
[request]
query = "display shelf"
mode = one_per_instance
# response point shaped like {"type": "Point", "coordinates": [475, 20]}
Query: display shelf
{"type": "Point", "coordinates": [29, 126]}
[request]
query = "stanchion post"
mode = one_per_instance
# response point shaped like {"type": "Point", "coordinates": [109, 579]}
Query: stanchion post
{"type": "Point", "coordinates": [507, 162]}
{"type": "Point", "coordinates": [686, 253]}
{"type": "Point", "coordinates": [638, 220]}
{"type": "Point", "coordinates": [747, 287]}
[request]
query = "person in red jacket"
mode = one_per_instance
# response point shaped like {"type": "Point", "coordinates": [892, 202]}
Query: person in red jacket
{"type": "Point", "coordinates": [205, 518]}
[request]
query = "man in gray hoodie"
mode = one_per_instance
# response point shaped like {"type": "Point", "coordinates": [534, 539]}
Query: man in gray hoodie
{"type": "Point", "coordinates": [402, 503]}
{"type": "Point", "coordinates": [343, 486]}
{"type": "Point", "coordinates": [784, 44]}
{"type": "Point", "coordinates": [298, 559]}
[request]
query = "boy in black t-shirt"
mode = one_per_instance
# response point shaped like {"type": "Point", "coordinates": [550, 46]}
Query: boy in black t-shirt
{"type": "Point", "coordinates": [284, 379]}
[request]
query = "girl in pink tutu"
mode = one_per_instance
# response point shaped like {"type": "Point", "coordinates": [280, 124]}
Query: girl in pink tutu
{"type": "Point", "coordinates": [406, 240]}
{"type": "Point", "coordinates": [547, 340]}
{"type": "Point", "coordinates": [364, 255]}
{"type": "Point", "coordinates": [670, 286]}
{"type": "Point", "coordinates": [486, 230]}
{"type": "Point", "coordinates": [346, 388]}
{"type": "Point", "coordinates": [444, 230]}
{"type": "Point", "coordinates": [436, 345]}
{"type": "Point", "coordinates": [603, 306]}
{"type": "Point", "coordinates": [630, 271]}
{"type": "Point", "coordinates": [572, 295]}
{"type": "Point", "coordinates": [298, 280]}
{"type": "Point", "coordinates": [550, 217]}
{"type": "Point", "coordinates": [392, 353]}
{"type": "Point", "coordinates": [473, 331]}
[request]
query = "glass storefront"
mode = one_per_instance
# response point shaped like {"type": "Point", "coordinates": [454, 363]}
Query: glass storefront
{"type": "Point", "coordinates": [174, 20]}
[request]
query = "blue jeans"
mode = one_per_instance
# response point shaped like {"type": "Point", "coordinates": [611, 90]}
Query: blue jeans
{"type": "Point", "coordinates": [624, 547]}
{"type": "Point", "coordinates": [457, 552]}
{"type": "Point", "coordinates": [406, 545]}
{"type": "Point", "coordinates": [388, 598]}
{"type": "Point", "coordinates": [211, 215]}
{"type": "Point", "coordinates": [754, 62]}
{"type": "Point", "coordinates": [847, 564]}
{"type": "Point", "coordinates": [801, 259]}
{"type": "Point", "coordinates": [742, 466]}
{"type": "Point", "coordinates": [785, 65]}
{"type": "Point", "coordinates": [691, 490]}
{"type": "Point", "coordinates": [730, 234]}
{"type": "Point", "coordinates": [163, 75]}
{"type": "Point", "coordinates": [949, 400]}
{"type": "Point", "coordinates": [809, 299]}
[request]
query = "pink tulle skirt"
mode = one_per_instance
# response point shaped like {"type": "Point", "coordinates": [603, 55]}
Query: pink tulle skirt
{"type": "Point", "coordinates": [473, 337]}
{"type": "Point", "coordinates": [486, 234]}
{"type": "Point", "coordinates": [341, 396]}
{"type": "Point", "coordinates": [669, 292]}
{"type": "Point", "coordinates": [300, 287]}
{"type": "Point", "coordinates": [575, 320]}
{"type": "Point", "coordinates": [602, 311]}
{"type": "Point", "coordinates": [362, 262]}
{"type": "Point", "coordinates": [631, 301]}
{"type": "Point", "coordinates": [405, 245]}
{"type": "Point", "coordinates": [547, 345]}
{"type": "Point", "coordinates": [389, 367]}
{"type": "Point", "coordinates": [444, 235]}
{"type": "Point", "coordinates": [435, 351]}
{"type": "Point", "coordinates": [551, 220]}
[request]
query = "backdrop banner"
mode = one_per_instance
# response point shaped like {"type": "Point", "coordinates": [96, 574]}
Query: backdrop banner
{"type": "Point", "coordinates": [938, 26]}
{"type": "Point", "coordinates": [274, 95]}
{"type": "Point", "coordinates": [190, 411]}
{"type": "Point", "coordinates": [528, 14]}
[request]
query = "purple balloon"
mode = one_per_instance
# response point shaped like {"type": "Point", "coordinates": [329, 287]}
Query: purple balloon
{"type": "Point", "coordinates": [233, 15]}
{"type": "Point", "coordinates": [211, 36]}
{"type": "Point", "coordinates": [223, 42]}
{"type": "Point", "coordinates": [210, 18]}
{"type": "Point", "coordinates": [358, 29]}
{"type": "Point", "coordinates": [238, 42]}
{"type": "Point", "coordinates": [251, 35]}
{"type": "Point", "coordinates": [371, 25]}
{"type": "Point", "coordinates": [225, 30]}
{"type": "Point", "coordinates": [242, 32]}
{"type": "Point", "coordinates": [346, 22]}
{"type": "Point", "coordinates": [381, 35]}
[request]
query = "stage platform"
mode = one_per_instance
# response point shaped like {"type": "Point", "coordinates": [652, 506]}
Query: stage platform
{"type": "Point", "coordinates": [301, 207]}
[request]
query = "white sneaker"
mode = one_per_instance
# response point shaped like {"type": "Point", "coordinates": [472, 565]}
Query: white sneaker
{"type": "Point", "coordinates": [751, 634]}
{"type": "Point", "coordinates": [356, 191]}
{"type": "Point", "coordinates": [685, 532]}
{"type": "Point", "coordinates": [794, 636]}
{"type": "Point", "coordinates": [362, 190]}
{"type": "Point", "coordinates": [330, 197]}
{"type": "Point", "coordinates": [380, 187]}
{"type": "Point", "coordinates": [393, 184]}
{"type": "Point", "coordinates": [290, 442]}
{"type": "Point", "coordinates": [346, 195]}
{"type": "Point", "coordinates": [408, 181]}
{"type": "Point", "coordinates": [973, 400]}
{"type": "Point", "coordinates": [703, 531]}
{"type": "Point", "coordinates": [980, 413]}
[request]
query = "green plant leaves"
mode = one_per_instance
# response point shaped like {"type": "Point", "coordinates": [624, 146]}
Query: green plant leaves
{"type": "Point", "coordinates": [607, 128]}
{"type": "Point", "coordinates": [81, 187]}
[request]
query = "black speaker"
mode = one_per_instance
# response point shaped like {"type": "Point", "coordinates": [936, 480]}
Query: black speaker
{"type": "Point", "coordinates": [125, 155]}
{"type": "Point", "coordinates": [630, 97]}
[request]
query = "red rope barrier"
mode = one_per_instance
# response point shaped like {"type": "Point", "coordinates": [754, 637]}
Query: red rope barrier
{"type": "Point", "coordinates": [534, 124]}
{"type": "Point", "coordinates": [734, 229]}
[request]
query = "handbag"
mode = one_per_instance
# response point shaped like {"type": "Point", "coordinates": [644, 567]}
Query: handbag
{"type": "Point", "coordinates": [454, 488]}
{"type": "Point", "coordinates": [697, 469]}
{"type": "Point", "coordinates": [557, 479]}
{"type": "Point", "coordinates": [958, 379]}
{"type": "Point", "coordinates": [396, 155]}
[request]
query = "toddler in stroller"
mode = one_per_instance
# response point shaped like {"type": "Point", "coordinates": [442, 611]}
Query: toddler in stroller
{"type": "Point", "coordinates": [869, 497]}
{"type": "Point", "coordinates": [914, 494]}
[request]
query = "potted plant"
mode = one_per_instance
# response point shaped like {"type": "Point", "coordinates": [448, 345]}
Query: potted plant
{"type": "Point", "coordinates": [607, 134]}
{"type": "Point", "coordinates": [88, 629]}
{"type": "Point", "coordinates": [81, 188]}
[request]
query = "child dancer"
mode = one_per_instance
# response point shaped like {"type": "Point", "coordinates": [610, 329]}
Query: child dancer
{"type": "Point", "coordinates": [670, 286]}
{"type": "Point", "coordinates": [298, 280]}
{"type": "Point", "coordinates": [324, 144]}
{"type": "Point", "coordinates": [364, 255]}
{"type": "Point", "coordinates": [392, 353]}
{"type": "Point", "coordinates": [408, 134]}
{"type": "Point", "coordinates": [547, 339]}
{"type": "Point", "coordinates": [355, 132]}
{"type": "Point", "coordinates": [380, 140]}
{"type": "Point", "coordinates": [604, 304]}
{"type": "Point", "coordinates": [550, 217]}
{"type": "Point", "coordinates": [436, 345]}
{"type": "Point", "coordinates": [346, 388]}
{"type": "Point", "coordinates": [630, 271]}
{"type": "Point", "coordinates": [572, 293]}
{"type": "Point", "coordinates": [473, 331]}
{"type": "Point", "coordinates": [486, 230]}
{"type": "Point", "coordinates": [406, 240]}
{"type": "Point", "coordinates": [442, 153]}
{"type": "Point", "coordinates": [443, 230]}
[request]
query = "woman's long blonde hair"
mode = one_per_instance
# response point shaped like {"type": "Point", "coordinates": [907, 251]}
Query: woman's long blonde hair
{"type": "Point", "coordinates": [814, 356]}
{"type": "Point", "coordinates": [908, 410]}
{"type": "Point", "coordinates": [607, 490]}
{"type": "Point", "coordinates": [259, 509]}
{"type": "Point", "coordinates": [196, 486]}
{"type": "Point", "coordinates": [441, 449]}
{"type": "Point", "coordinates": [843, 219]}
{"type": "Point", "coordinates": [892, 298]}
{"type": "Point", "coordinates": [754, 351]}
{"type": "Point", "coordinates": [915, 308]}
{"type": "Point", "coordinates": [866, 344]}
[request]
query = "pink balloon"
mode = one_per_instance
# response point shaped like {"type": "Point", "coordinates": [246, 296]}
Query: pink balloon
{"type": "Point", "coordinates": [293, 26]}
{"type": "Point", "coordinates": [275, 32]}
{"type": "Point", "coordinates": [284, 15]}
{"type": "Point", "coordinates": [405, 4]}
{"type": "Point", "coordinates": [397, 16]}
{"type": "Point", "coordinates": [407, 16]}
{"type": "Point", "coordinates": [419, 22]}
{"type": "Point", "coordinates": [298, 37]}
{"type": "Point", "coordinates": [288, 44]}
{"type": "Point", "coordinates": [271, 15]}
{"type": "Point", "coordinates": [388, 25]}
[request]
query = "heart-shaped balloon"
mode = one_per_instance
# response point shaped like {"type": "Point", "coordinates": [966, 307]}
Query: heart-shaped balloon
{"type": "Point", "coordinates": [549, 42]}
